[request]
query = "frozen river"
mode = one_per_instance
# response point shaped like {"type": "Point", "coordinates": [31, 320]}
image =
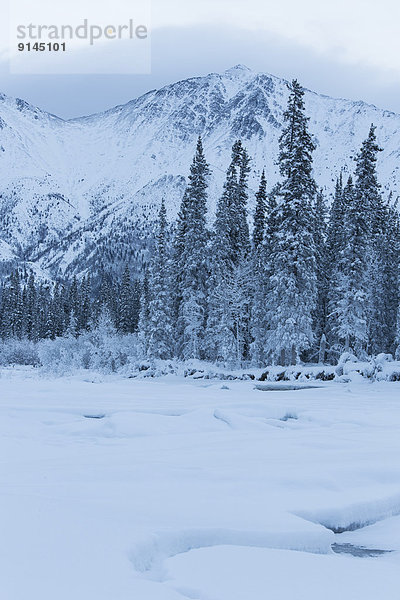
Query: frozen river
{"type": "Point", "coordinates": [168, 489]}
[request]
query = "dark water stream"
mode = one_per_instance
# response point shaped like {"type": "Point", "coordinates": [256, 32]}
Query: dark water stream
{"type": "Point", "coordinates": [284, 387]}
{"type": "Point", "coordinates": [358, 551]}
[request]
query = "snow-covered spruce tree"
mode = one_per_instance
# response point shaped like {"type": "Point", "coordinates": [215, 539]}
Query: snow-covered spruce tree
{"type": "Point", "coordinates": [348, 297]}
{"type": "Point", "coordinates": [50, 316]}
{"type": "Point", "coordinates": [378, 257]}
{"type": "Point", "coordinates": [336, 227]}
{"type": "Point", "coordinates": [125, 321]}
{"type": "Point", "coordinates": [107, 298]}
{"type": "Point", "coordinates": [178, 247]}
{"type": "Point", "coordinates": [334, 244]}
{"type": "Point", "coordinates": [232, 240]}
{"type": "Point", "coordinates": [73, 302]}
{"type": "Point", "coordinates": [15, 307]}
{"type": "Point", "coordinates": [84, 311]}
{"type": "Point", "coordinates": [228, 325]}
{"type": "Point", "coordinates": [261, 281]}
{"type": "Point", "coordinates": [31, 326]}
{"type": "Point", "coordinates": [231, 333]}
{"type": "Point", "coordinates": [135, 305]}
{"type": "Point", "coordinates": [391, 291]}
{"type": "Point", "coordinates": [144, 316]}
{"type": "Point", "coordinates": [5, 312]}
{"type": "Point", "coordinates": [104, 327]}
{"type": "Point", "coordinates": [72, 326]}
{"type": "Point", "coordinates": [159, 328]}
{"type": "Point", "coordinates": [257, 324]}
{"type": "Point", "coordinates": [43, 317]}
{"type": "Point", "coordinates": [397, 331]}
{"type": "Point", "coordinates": [260, 213]}
{"type": "Point", "coordinates": [190, 262]}
{"type": "Point", "coordinates": [58, 310]}
{"type": "Point", "coordinates": [271, 222]}
{"type": "Point", "coordinates": [292, 287]}
{"type": "Point", "coordinates": [320, 239]}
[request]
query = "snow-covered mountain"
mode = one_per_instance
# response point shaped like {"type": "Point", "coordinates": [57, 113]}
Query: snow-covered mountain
{"type": "Point", "coordinates": [82, 192]}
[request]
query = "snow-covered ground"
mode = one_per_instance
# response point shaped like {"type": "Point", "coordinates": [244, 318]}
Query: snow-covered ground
{"type": "Point", "coordinates": [168, 488]}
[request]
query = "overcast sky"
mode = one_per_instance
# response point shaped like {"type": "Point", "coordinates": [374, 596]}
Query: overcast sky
{"type": "Point", "coordinates": [346, 48]}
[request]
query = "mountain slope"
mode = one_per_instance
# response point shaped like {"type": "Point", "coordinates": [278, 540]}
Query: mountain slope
{"type": "Point", "coordinates": [76, 193]}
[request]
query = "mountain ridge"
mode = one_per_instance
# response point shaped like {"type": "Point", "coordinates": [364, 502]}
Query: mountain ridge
{"type": "Point", "coordinates": [94, 178]}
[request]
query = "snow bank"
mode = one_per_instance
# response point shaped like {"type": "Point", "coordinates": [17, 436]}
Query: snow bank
{"type": "Point", "coordinates": [355, 516]}
{"type": "Point", "coordinates": [148, 555]}
{"type": "Point", "coordinates": [102, 352]}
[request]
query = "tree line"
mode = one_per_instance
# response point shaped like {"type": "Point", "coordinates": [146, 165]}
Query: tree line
{"type": "Point", "coordinates": [306, 283]}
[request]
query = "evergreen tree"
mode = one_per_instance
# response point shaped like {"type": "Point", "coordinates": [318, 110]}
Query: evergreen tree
{"type": "Point", "coordinates": [391, 277]}
{"type": "Point", "coordinates": [84, 309]}
{"type": "Point", "coordinates": [73, 301]}
{"type": "Point", "coordinates": [262, 282]}
{"type": "Point", "coordinates": [58, 311]}
{"type": "Point", "coordinates": [107, 299]}
{"type": "Point", "coordinates": [292, 293]}
{"type": "Point", "coordinates": [260, 213]}
{"type": "Point", "coordinates": [321, 255]}
{"type": "Point", "coordinates": [263, 236]}
{"type": "Point", "coordinates": [232, 238]}
{"type": "Point", "coordinates": [14, 311]}
{"type": "Point", "coordinates": [334, 244]}
{"type": "Point", "coordinates": [376, 259]}
{"type": "Point", "coordinates": [228, 327]}
{"type": "Point", "coordinates": [125, 324]}
{"type": "Point", "coordinates": [177, 266]}
{"type": "Point", "coordinates": [190, 261]}
{"type": "Point", "coordinates": [348, 296]}
{"type": "Point", "coordinates": [336, 227]}
{"type": "Point", "coordinates": [160, 329]}
{"type": "Point", "coordinates": [72, 328]}
{"type": "Point", "coordinates": [105, 327]}
{"type": "Point", "coordinates": [31, 329]}
{"type": "Point", "coordinates": [144, 317]}
{"type": "Point", "coordinates": [136, 295]}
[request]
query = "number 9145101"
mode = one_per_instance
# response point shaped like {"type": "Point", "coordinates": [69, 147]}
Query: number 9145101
{"type": "Point", "coordinates": [42, 47]}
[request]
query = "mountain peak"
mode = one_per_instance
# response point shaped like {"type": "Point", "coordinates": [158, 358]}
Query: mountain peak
{"type": "Point", "coordinates": [238, 70]}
